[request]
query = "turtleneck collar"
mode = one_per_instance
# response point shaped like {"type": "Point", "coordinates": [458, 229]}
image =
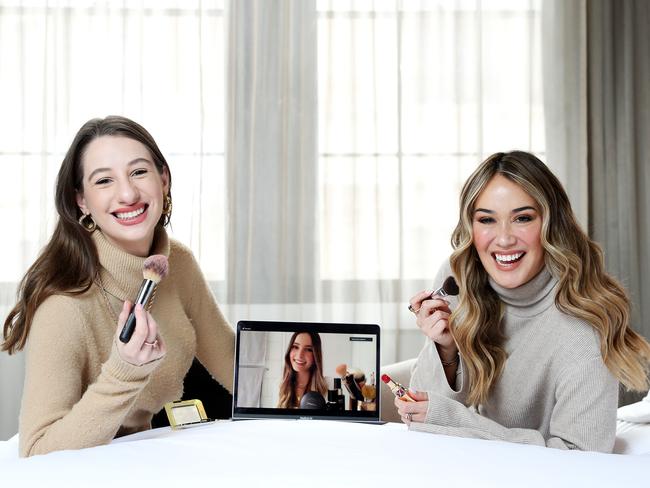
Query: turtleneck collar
{"type": "Point", "coordinates": [121, 272]}
{"type": "Point", "coordinates": [530, 298]}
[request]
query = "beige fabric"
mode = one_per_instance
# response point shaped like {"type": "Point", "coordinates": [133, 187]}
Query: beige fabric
{"type": "Point", "coordinates": [78, 391]}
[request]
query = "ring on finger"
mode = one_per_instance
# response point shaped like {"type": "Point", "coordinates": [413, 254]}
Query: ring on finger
{"type": "Point", "coordinates": [411, 309]}
{"type": "Point", "coordinates": [151, 344]}
{"type": "Point", "coordinates": [409, 417]}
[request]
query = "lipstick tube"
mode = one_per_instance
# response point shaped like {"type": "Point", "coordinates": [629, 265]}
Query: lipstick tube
{"type": "Point", "coordinates": [398, 390]}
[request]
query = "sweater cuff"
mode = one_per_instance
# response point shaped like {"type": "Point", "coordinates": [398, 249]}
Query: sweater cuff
{"type": "Point", "coordinates": [437, 411]}
{"type": "Point", "coordinates": [125, 371]}
{"type": "Point", "coordinates": [458, 389]}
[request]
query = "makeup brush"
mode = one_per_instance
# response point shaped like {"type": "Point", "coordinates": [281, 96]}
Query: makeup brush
{"type": "Point", "coordinates": [154, 269]}
{"type": "Point", "coordinates": [369, 390]}
{"type": "Point", "coordinates": [349, 382]}
{"type": "Point", "coordinates": [448, 289]}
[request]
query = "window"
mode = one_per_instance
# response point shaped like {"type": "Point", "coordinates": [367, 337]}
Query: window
{"type": "Point", "coordinates": [412, 96]}
{"type": "Point", "coordinates": [160, 63]}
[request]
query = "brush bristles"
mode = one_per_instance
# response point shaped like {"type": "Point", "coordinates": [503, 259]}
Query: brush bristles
{"type": "Point", "coordinates": [342, 370]}
{"type": "Point", "coordinates": [450, 286]}
{"type": "Point", "coordinates": [358, 375]}
{"type": "Point", "coordinates": [155, 268]}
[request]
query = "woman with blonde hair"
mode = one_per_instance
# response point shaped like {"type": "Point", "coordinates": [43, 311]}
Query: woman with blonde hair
{"type": "Point", "coordinates": [536, 344]}
{"type": "Point", "coordinates": [303, 369]}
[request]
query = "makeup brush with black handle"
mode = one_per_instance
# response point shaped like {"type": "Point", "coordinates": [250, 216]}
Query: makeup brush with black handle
{"type": "Point", "coordinates": [154, 269]}
{"type": "Point", "coordinates": [448, 289]}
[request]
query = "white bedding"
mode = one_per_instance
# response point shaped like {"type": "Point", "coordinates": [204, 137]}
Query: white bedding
{"type": "Point", "coordinates": [307, 453]}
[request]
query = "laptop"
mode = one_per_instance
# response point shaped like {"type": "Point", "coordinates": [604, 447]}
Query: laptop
{"type": "Point", "coordinates": [307, 370]}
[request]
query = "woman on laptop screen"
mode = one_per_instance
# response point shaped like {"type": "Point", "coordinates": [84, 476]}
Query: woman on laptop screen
{"type": "Point", "coordinates": [303, 370]}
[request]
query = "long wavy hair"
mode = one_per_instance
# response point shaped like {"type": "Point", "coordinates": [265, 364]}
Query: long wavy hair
{"type": "Point", "coordinates": [570, 255]}
{"type": "Point", "coordinates": [69, 263]}
{"type": "Point", "coordinates": [288, 397]}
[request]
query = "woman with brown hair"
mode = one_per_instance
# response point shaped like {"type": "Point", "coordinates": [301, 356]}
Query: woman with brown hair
{"type": "Point", "coordinates": [83, 386]}
{"type": "Point", "coordinates": [539, 338]}
{"type": "Point", "coordinates": [303, 369]}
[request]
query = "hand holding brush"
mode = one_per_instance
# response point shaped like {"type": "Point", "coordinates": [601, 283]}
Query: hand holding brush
{"type": "Point", "coordinates": [139, 341]}
{"type": "Point", "coordinates": [146, 344]}
{"type": "Point", "coordinates": [448, 289]}
{"type": "Point", "coordinates": [155, 268]}
{"type": "Point", "coordinates": [433, 312]}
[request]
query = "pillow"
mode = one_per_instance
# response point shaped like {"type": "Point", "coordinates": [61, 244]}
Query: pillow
{"type": "Point", "coordinates": [632, 438]}
{"type": "Point", "coordinates": [635, 412]}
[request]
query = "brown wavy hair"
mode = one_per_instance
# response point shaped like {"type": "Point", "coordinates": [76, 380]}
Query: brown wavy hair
{"type": "Point", "coordinates": [288, 397]}
{"type": "Point", "coordinates": [69, 263]}
{"type": "Point", "coordinates": [570, 255]}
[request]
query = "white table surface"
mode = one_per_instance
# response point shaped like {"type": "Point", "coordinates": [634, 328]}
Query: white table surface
{"type": "Point", "coordinates": [310, 453]}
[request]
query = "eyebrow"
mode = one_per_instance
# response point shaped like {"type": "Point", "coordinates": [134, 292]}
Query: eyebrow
{"type": "Point", "coordinates": [514, 210]}
{"type": "Point", "coordinates": [135, 161]}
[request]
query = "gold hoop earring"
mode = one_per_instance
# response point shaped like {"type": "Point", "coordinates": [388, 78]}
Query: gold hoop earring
{"type": "Point", "coordinates": [167, 205]}
{"type": "Point", "coordinates": [89, 226]}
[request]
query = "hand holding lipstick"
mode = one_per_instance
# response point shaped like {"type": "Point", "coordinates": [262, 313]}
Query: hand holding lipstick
{"type": "Point", "coordinates": [415, 411]}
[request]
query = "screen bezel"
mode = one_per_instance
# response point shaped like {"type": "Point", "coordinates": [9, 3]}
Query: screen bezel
{"type": "Point", "coordinates": [298, 413]}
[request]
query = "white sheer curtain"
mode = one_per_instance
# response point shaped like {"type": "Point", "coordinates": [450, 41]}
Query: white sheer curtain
{"type": "Point", "coordinates": [564, 34]}
{"type": "Point", "coordinates": [348, 128]}
{"type": "Point", "coordinates": [412, 95]}
{"type": "Point", "coordinates": [62, 63]}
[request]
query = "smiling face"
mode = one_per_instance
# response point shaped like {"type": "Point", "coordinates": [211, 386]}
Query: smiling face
{"type": "Point", "coordinates": [301, 354]}
{"type": "Point", "coordinates": [506, 231]}
{"type": "Point", "coordinates": [123, 191]}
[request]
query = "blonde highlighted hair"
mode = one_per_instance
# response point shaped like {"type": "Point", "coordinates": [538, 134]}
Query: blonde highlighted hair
{"type": "Point", "coordinates": [570, 255]}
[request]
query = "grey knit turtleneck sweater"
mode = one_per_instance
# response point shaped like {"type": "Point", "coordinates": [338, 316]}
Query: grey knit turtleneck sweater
{"type": "Point", "coordinates": [554, 391]}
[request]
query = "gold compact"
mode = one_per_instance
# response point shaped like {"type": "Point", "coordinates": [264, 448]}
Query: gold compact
{"type": "Point", "coordinates": [186, 413]}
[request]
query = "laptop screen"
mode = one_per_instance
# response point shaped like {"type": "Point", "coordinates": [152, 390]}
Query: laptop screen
{"type": "Point", "coordinates": [306, 370]}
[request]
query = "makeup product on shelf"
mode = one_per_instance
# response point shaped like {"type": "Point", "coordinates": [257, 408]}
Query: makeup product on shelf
{"type": "Point", "coordinates": [335, 397]}
{"type": "Point", "coordinates": [340, 397]}
{"type": "Point", "coordinates": [155, 268]}
{"type": "Point", "coordinates": [348, 380]}
{"type": "Point", "coordinates": [398, 390]}
{"type": "Point", "coordinates": [369, 391]}
{"type": "Point", "coordinates": [359, 376]}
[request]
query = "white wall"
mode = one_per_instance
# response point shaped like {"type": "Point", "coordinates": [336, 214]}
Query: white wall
{"type": "Point", "coordinates": [12, 370]}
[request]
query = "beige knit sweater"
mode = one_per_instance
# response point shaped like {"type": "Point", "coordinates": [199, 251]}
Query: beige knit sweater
{"type": "Point", "coordinates": [78, 392]}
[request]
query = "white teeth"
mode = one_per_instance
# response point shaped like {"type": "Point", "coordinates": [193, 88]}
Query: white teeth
{"type": "Point", "coordinates": [129, 215]}
{"type": "Point", "coordinates": [508, 258]}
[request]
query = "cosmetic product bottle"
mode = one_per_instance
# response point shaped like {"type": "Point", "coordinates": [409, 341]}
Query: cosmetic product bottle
{"type": "Point", "coordinates": [369, 391]}
{"type": "Point", "coordinates": [340, 398]}
{"type": "Point", "coordinates": [332, 404]}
